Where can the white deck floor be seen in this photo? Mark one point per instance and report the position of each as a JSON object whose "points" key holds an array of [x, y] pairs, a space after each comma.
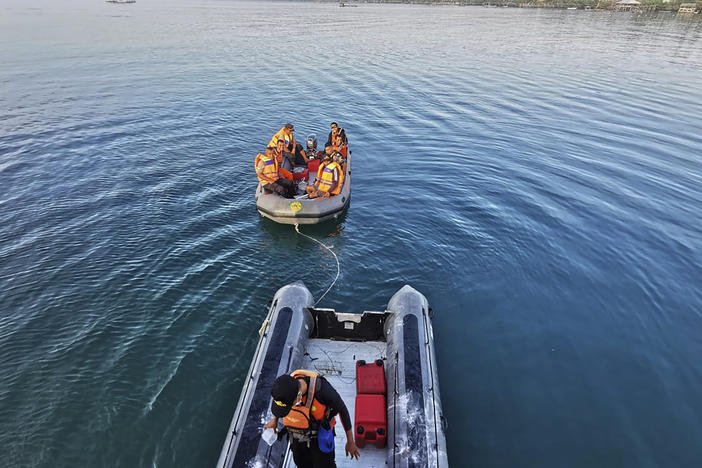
{"points": [[337, 361]]}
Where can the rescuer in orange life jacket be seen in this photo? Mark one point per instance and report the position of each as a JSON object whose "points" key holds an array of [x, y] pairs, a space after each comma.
{"points": [[286, 134], [330, 178], [340, 146], [308, 404], [269, 175]]}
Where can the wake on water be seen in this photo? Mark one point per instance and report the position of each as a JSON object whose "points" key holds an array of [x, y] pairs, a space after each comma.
{"points": [[338, 266]]}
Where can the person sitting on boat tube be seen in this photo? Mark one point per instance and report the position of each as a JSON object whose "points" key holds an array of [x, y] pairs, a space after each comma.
{"points": [[329, 180], [336, 130], [329, 153], [341, 161], [308, 404], [285, 133], [269, 176], [340, 146], [328, 150]]}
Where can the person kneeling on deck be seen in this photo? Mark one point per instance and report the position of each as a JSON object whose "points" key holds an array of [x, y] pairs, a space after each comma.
{"points": [[308, 404], [330, 179], [269, 176]]}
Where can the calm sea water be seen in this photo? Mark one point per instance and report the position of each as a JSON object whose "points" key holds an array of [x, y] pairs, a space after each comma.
{"points": [[536, 174]]}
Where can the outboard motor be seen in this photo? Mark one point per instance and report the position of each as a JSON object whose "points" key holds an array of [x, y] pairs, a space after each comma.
{"points": [[311, 149]]}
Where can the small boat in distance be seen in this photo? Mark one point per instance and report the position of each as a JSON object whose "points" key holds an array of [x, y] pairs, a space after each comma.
{"points": [[396, 344], [120, 1]]}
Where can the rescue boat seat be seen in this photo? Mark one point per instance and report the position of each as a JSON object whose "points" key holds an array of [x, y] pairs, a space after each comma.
{"points": [[333, 325]]}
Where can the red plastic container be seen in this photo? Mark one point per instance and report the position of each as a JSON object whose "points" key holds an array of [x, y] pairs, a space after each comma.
{"points": [[297, 176], [313, 166], [370, 377], [371, 421]]}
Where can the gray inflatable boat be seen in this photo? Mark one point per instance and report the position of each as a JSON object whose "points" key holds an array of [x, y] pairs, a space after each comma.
{"points": [[303, 210], [296, 335]]}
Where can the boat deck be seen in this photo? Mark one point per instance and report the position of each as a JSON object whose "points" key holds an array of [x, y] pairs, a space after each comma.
{"points": [[337, 361]]}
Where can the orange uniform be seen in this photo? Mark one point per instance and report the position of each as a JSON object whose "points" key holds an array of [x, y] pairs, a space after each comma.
{"points": [[302, 418], [330, 178], [284, 134], [267, 169]]}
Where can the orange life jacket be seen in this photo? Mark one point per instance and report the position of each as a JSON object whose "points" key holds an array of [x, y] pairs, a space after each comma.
{"points": [[270, 172], [326, 178], [341, 149], [304, 418], [288, 137], [320, 168], [284, 173]]}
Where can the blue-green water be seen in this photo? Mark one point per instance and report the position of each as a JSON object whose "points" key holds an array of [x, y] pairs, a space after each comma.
{"points": [[536, 174]]}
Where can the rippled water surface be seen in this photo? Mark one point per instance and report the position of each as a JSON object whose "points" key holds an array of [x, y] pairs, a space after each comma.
{"points": [[536, 174]]}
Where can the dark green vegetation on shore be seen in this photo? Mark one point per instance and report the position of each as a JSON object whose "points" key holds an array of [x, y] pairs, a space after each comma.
{"points": [[645, 5]]}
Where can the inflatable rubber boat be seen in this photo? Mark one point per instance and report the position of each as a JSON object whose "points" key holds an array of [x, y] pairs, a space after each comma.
{"points": [[301, 209], [400, 340]]}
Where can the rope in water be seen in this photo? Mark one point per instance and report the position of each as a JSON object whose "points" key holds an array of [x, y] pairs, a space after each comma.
{"points": [[338, 267]]}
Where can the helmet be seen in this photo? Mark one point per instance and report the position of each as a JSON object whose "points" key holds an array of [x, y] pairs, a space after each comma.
{"points": [[312, 142]]}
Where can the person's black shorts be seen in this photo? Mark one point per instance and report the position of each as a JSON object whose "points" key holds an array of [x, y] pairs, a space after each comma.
{"points": [[299, 160], [282, 186], [310, 456]]}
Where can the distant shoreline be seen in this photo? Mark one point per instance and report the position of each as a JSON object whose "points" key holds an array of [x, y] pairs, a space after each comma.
{"points": [[611, 5]]}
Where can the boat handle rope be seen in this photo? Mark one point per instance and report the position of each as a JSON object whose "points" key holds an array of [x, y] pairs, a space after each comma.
{"points": [[263, 327], [338, 267]]}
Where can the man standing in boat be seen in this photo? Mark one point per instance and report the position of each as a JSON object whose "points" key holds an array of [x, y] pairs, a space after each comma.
{"points": [[308, 403]]}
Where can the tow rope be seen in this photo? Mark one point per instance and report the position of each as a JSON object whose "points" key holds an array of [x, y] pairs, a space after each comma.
{"points": [[338, 267]]}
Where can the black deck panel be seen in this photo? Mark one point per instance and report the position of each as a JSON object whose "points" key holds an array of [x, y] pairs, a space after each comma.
{"points": [[416, 431], [250, 438]]}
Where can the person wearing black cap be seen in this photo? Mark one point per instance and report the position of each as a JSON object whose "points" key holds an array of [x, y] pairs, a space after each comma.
{"points": [[336, 130], [285, 133], [308, 404]]}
